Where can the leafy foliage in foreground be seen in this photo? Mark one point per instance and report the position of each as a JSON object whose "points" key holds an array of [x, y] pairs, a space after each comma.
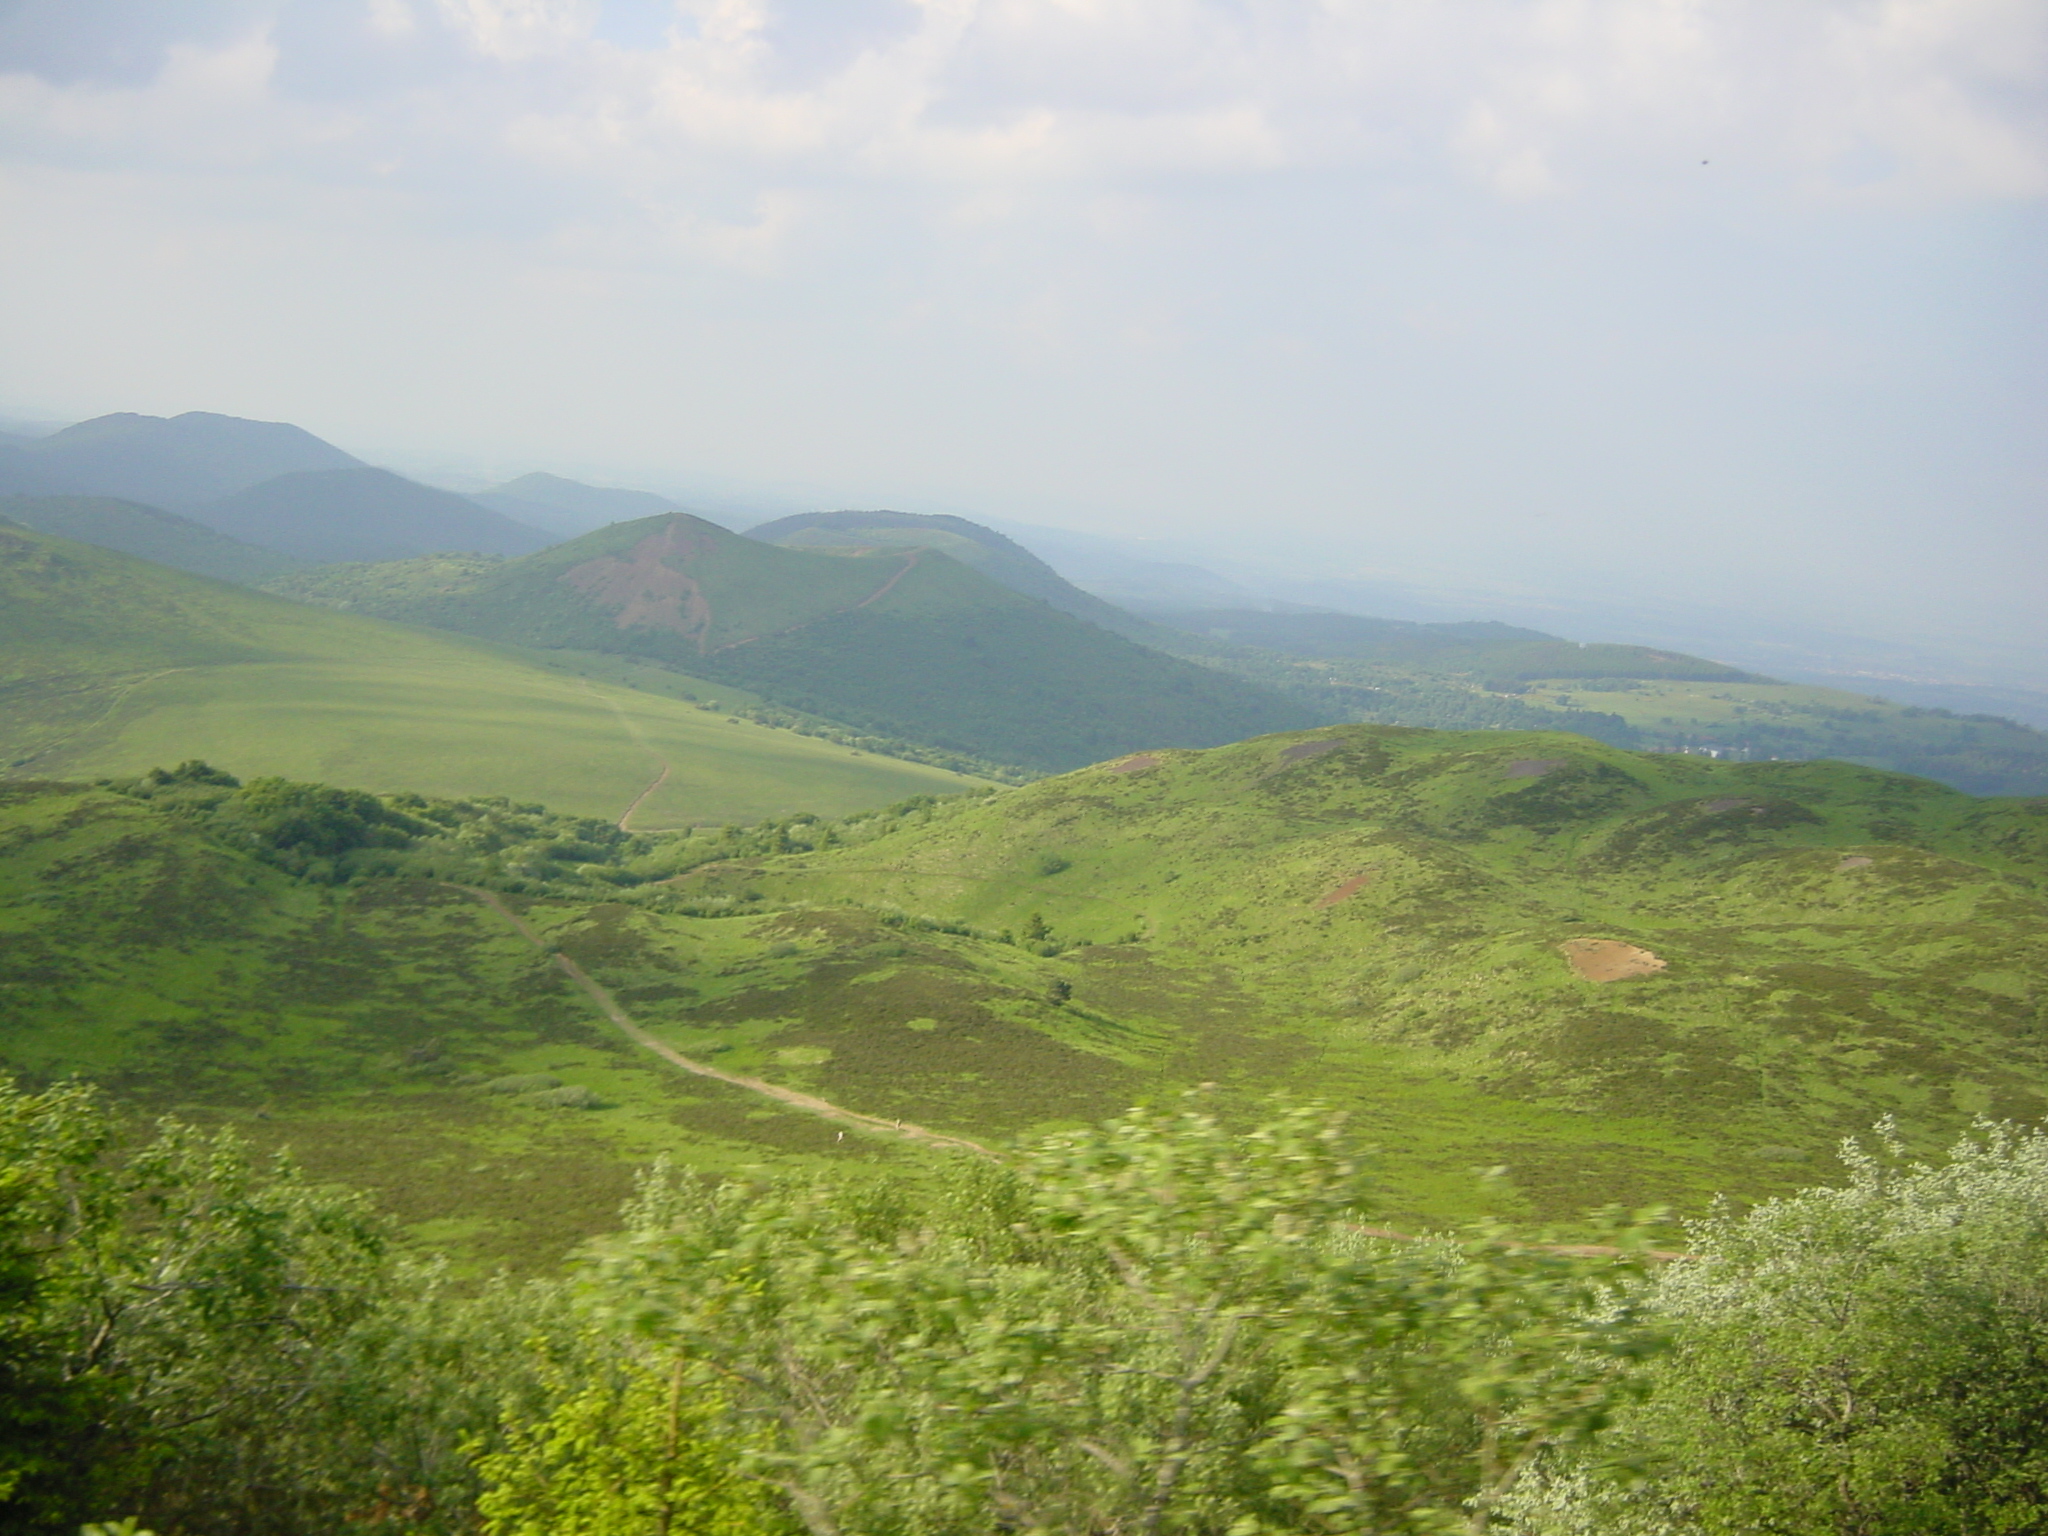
{"points": [[1160, 1325], [1157, 1325]]}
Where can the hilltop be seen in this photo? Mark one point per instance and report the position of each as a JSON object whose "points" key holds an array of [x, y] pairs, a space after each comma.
{"points": [[109, 664], [905, 642], [567, 508], [975, 546], [178, 462], [336, 515], [149, 533], [1485, 675]]}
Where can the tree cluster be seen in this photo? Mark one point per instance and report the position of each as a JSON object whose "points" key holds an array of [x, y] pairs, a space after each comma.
{"points": [[1160, 1325]]}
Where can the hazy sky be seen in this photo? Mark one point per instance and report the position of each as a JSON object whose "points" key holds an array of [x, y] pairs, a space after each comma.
{"points": [[1740, 301]]}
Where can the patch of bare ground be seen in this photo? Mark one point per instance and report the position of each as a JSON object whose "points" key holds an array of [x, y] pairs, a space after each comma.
{"points": [[1609, 959]]}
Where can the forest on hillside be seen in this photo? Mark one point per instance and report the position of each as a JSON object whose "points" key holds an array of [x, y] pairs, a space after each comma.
{"points": [[1164, 1323]]}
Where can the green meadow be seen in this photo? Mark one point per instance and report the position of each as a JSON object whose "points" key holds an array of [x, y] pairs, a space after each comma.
{"points": [[1610, 976], [113, 665]]}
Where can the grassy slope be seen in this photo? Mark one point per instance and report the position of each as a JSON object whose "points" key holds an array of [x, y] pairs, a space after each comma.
{"points": [[1804, 994], [1218, 928], [903, 643], [112, 665], [164, 537], [353, 1025]]}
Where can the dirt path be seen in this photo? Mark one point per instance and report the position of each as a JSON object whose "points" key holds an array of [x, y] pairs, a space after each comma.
{"points": [[626, 820], [883, 591], [790, 1096], [639, 740]]}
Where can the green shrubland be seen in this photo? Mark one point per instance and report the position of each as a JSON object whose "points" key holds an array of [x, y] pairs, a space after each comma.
{"points": [[1162, 1323]]}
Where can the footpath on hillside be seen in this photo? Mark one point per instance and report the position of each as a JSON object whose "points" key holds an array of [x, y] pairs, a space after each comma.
{"points": [[810, 1103]]}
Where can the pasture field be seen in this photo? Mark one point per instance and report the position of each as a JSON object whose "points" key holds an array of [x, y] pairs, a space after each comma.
{"points": [[109, 665]]}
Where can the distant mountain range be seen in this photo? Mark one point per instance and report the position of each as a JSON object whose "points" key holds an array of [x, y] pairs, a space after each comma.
{"points": [[331, 515], [177, 462], [148, 532], [903, 641], [265, 483], [567, 508], [980, 548], [979, 672]]}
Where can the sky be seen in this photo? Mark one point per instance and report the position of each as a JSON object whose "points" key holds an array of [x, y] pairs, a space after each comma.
{"points": [[1735, 306]]}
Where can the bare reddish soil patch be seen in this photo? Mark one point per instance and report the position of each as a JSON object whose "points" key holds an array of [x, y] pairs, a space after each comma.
{"points": [[1609, 959], [1136, 764], [1533, 767], [1350, 887], [646, 592]]}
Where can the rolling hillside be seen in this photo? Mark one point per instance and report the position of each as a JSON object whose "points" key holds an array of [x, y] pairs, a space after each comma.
{"points": [[110, 664], [905, 643], [1482, 675], [148, 533], [364, 514], [1621, 977], [1624, 975], [982, 549], [178, 462]]}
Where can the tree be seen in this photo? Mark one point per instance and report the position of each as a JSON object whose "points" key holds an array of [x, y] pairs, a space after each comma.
{"points": [[1855, 1361], [644, 1450], [1159, 1325]]}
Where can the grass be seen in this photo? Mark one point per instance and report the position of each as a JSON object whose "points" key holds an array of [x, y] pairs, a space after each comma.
{"points": [[112, 665], [1372, 916], [899, 643]]}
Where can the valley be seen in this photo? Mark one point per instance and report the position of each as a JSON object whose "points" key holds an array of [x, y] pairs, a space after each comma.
{"points": [[1615, 976]]}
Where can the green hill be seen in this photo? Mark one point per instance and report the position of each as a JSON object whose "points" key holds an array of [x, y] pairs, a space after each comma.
{"points": [[1619, 976], [364, 514], [982, 549], [1494, 653], [134, 529], [177, 461], [1401, 918], [906, 643], [110, 664], [1493, 676]]}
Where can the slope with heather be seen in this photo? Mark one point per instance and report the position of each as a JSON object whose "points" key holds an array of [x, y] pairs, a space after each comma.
{"points": [[110, 664], [1647, 970], [1617, 976]]}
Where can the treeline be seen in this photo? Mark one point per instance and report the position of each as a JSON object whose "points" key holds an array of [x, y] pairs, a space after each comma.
{"points": [[329, 835], [1160, 1325]]}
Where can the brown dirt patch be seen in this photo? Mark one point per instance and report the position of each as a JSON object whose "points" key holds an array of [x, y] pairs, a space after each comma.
{"points": [[645, 592], [1533, 767], [1136, 764], [1350, 887], [1856, 861], [1609, 959]]}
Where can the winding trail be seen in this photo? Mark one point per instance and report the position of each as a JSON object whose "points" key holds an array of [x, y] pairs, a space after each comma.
{"points": [[809, 1103], [826, 1109], [659, 778]]}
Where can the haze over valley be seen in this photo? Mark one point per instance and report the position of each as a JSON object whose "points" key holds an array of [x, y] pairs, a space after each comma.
{"points": [[1015, 768]]}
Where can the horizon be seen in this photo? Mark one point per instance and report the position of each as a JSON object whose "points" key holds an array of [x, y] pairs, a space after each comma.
{"points": [[1726, 324]]}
